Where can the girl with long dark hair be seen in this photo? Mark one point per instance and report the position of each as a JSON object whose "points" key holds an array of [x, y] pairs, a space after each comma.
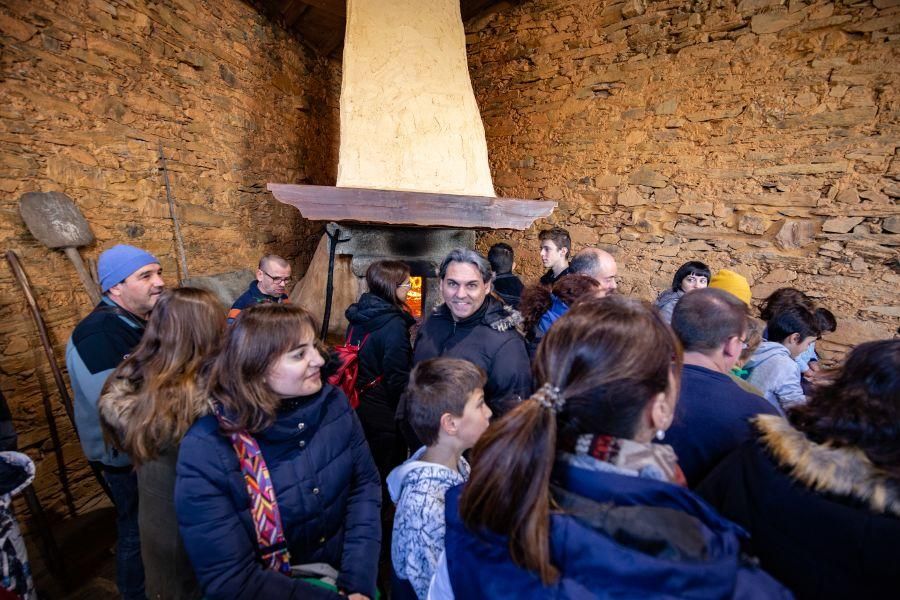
{"points": [[279, 479], [568, 497], [147, 406]]}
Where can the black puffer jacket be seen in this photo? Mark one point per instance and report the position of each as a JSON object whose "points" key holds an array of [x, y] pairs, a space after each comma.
{"points": [[387, 353], [488, 339]]}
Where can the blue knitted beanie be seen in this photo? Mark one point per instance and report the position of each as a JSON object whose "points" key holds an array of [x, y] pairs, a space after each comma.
{"points": [[119, 262]]}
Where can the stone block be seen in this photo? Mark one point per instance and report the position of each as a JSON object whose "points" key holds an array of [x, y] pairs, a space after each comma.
{"points": [[696, 209], [841, 224], [848, 195], [666, 195], [751, 223], [648, 177], [779, 276], [582, 235], [774, 21], [891, 224], [795, 234], [630, 197]]}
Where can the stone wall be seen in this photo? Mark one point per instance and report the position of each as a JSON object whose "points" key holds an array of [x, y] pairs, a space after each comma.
{"points": [[759, 135], [89, 88]]}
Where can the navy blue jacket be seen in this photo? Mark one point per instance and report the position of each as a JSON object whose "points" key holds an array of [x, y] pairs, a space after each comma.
{"points": [[712, 418], [632, 538], [252, 297], [328, 493]]}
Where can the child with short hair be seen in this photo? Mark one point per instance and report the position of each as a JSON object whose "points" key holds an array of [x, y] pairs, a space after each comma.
{"points": [[446, 408], [808, 361], [752, 340], [772, 367]]}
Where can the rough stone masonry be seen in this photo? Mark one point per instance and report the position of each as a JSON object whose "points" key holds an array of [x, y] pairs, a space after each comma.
{"points": [[88, 88], [758, 135]]}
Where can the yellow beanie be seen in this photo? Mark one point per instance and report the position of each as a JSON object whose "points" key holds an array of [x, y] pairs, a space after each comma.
{"points": [[732, 283]]}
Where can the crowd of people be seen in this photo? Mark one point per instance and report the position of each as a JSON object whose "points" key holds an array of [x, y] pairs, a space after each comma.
{"points": [[558, 439]]}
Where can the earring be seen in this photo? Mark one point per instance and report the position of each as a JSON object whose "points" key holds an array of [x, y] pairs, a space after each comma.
{"points": [[660, 434]]}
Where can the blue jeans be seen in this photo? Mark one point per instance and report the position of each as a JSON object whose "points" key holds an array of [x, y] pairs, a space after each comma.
{"points": [[129, 567]]}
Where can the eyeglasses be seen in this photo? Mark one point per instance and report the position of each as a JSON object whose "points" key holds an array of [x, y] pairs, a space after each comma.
{"points": [[284, 280], [406, 285]]}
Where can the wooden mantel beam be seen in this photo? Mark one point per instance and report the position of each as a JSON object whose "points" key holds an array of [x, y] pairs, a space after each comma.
{"points": [[325, 203]]}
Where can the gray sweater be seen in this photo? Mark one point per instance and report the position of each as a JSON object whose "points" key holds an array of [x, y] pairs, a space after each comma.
{"points": [[777, 375]]}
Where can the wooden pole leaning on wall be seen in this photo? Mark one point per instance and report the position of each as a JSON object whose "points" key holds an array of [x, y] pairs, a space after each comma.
{"points": [[19, 273]]}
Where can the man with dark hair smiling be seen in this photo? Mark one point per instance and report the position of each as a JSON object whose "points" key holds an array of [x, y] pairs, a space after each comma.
{"points": [[474, 326], [131, 282], [711, 416], [273, 275]]}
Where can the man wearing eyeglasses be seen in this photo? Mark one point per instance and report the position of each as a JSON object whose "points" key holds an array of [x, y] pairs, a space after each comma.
{"points": [[272, 280]]}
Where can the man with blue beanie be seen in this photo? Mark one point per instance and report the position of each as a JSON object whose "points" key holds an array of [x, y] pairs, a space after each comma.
{"points": [[131, 282]]}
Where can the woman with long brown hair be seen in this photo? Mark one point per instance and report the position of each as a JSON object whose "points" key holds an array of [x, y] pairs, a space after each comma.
{"points": [[380, 321], [569, 498], [147, 406], [280, 475]]}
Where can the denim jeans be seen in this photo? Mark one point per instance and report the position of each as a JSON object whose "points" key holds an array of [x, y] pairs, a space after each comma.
{"points": [[129, 566]]}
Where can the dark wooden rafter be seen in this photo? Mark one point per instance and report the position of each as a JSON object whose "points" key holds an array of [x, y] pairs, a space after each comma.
{"points": [[321, 23]]}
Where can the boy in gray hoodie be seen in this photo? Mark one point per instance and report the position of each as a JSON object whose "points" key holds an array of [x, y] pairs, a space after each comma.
{"points": [[446, 408], [772, 367]]}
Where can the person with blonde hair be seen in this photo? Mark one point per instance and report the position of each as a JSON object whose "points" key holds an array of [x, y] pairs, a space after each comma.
{"points": [[277, 487]]}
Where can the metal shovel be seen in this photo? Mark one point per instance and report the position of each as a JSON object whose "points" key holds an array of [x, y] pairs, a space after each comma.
{"points": [[56, 222]]}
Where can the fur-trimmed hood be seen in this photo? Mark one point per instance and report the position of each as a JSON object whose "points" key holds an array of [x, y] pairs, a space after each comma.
{"points": [[116, 407], [494, 313], [824, 468]]}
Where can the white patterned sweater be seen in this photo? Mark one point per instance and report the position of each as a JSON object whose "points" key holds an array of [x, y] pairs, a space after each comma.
{"points": [[418, 488]]}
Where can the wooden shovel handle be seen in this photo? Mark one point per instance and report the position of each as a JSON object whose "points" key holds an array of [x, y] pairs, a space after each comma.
{"points": [[89, 284]]}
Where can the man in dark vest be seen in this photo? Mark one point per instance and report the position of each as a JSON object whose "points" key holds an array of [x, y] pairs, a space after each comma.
{"points": [[131, 282]]}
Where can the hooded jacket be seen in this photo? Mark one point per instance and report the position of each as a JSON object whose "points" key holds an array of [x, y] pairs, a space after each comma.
{"points": [[488, 339], [328, 494], [618, 537], [777, 375], [387, 351], [823, 519], [666, 302], [418, 489], [167, 568]]}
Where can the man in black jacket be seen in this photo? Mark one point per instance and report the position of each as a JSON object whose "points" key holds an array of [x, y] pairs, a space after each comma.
{"points": [[506, 285], [474, 326]]}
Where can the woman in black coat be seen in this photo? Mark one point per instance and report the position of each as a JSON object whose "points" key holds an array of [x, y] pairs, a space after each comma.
{"points": [[820, 493], [380, 321]]}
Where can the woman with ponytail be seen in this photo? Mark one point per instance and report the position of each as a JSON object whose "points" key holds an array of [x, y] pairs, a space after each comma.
{"points": [[568, 495]]}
